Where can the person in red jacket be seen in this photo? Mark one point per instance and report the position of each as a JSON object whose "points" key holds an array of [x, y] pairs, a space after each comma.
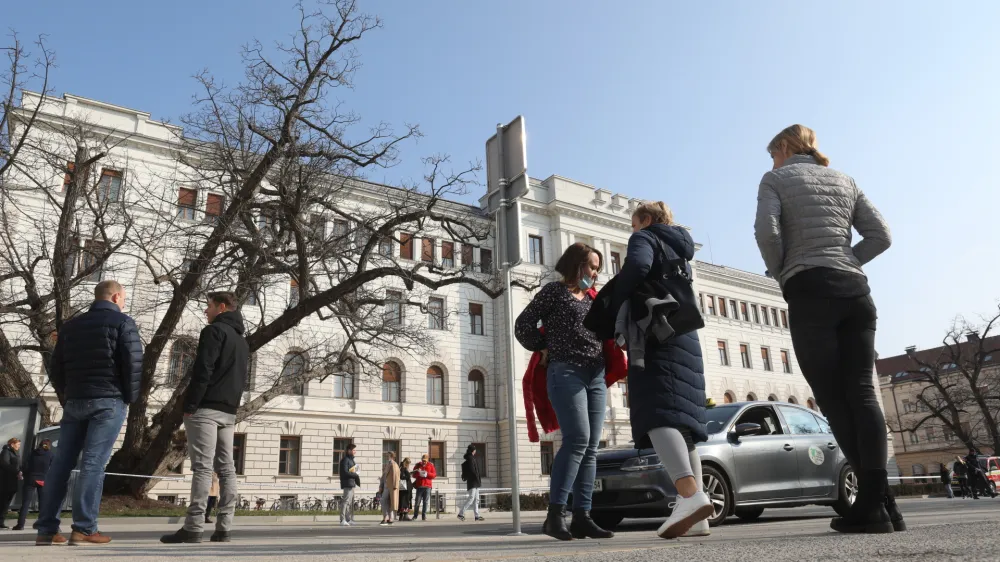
{"points": [[423, 477]]}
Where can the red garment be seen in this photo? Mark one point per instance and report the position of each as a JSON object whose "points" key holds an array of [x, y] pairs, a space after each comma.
{"points": [[536, 394], [420, 481]]}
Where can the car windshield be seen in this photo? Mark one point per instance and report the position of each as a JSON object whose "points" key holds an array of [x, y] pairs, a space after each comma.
{"points": [[719, 417]]}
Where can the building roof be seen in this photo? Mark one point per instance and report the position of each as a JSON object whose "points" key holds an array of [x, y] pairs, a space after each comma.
{"points": [[898, 366]]}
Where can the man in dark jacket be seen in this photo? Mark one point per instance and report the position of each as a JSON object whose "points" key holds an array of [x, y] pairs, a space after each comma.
{"points": [[96, 370], [218, 378], [35, 466], [470, 473], [349, 479]]}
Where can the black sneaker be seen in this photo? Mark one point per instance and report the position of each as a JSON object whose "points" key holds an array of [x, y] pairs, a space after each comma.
{"points": [[220, 536], [181, 536], [461, 517]]}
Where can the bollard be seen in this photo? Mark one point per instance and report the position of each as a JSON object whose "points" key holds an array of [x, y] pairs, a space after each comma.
{"points": [[437, 504]]}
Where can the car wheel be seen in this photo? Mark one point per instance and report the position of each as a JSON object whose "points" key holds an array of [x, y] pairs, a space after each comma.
{"points": [[717, 489], [993, 488], [749, 513], [848, 491], [607, 521]]}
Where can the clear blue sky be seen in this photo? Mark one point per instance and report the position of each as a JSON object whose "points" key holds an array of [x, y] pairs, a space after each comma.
{"points": [[657, 99]]}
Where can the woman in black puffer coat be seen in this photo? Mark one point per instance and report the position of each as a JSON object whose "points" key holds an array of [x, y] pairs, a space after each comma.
{"points": [[667, 394]]}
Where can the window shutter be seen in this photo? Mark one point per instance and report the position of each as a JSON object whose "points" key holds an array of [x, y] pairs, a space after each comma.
{"points": [[214, 205], [187, 197]]}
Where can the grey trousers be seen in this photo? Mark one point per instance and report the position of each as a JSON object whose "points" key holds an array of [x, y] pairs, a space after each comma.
{"points": [[347, 508], [210, 446]]}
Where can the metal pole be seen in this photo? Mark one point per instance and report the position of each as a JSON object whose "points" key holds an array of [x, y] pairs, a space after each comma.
{"points": [[515, 494]]}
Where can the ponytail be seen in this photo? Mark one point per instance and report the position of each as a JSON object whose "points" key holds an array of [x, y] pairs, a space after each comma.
{"points": [[798, 139]]}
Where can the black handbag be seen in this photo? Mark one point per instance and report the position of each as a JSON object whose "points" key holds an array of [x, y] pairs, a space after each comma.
{"points": [[674, 277]]}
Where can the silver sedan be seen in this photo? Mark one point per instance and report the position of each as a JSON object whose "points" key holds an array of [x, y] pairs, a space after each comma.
{"points": [[759, 455]]}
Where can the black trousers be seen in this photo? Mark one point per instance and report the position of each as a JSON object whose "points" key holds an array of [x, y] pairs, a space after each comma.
{"points": [[7, 492], [834, 341], [27, 493]]}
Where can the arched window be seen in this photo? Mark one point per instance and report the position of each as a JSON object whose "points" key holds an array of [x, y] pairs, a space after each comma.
{"points": [[392, 375], [294, 367], [811, 404], [729, 397], [344, 380], [477, 389], [792, 400], [751, 397], [772, 398], [435, 386], [181, 359]]}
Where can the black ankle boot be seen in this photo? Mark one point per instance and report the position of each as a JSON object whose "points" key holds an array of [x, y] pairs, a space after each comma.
{"points": [[555, 523], [898, 525], [583, 527], [868, 514]]}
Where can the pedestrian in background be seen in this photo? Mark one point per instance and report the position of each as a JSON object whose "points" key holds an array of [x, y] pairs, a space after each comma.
{"points": [[213, 497], [96, 370], [946, 480], [218, 378], [575, 384], [389, 490], [805, 215], [349, 479], [10, 476], [405, 490], [962, 474], [424, 474], [34, 468], [473, 481], [667, 390]]}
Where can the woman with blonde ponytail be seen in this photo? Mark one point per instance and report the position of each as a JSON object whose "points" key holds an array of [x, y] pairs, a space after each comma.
{"points": [[805, 213]]}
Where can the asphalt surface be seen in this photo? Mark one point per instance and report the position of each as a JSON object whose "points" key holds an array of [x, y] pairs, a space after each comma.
{"points": [[779, 535]]}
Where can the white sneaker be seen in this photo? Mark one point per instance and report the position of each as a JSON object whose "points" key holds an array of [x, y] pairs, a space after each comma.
{"points": [[699, 529], [686, 512], [345, 524]]}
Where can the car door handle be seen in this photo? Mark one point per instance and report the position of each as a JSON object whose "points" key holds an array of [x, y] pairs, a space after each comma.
{"points": [[788, 447], [831, 446]]}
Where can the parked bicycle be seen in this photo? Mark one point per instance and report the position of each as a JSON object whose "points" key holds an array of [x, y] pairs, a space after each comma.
{"points": [[276, 506], [260, 504]]}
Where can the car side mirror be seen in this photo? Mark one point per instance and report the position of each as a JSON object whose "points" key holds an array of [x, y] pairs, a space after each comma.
{"points": [[745, 429]]}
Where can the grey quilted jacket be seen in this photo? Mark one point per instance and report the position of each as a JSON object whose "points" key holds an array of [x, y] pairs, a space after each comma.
{"points": [[804, 217]]}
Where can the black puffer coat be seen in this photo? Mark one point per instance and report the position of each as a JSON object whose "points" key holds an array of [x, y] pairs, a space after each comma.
{"points": [[670, 391], [10, 465], [98, 355]]}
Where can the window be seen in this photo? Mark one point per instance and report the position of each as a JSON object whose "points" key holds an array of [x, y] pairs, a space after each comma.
{"points": [[701, 302], [485, 260], [187, 201], [268, 220], [406, 246], [711, 305], [477, 389], [784, 319], [476, 318], [751, 397], [253, 292], [480, 458], [774, 317], [602, 444], [756, 314], [435, 386], [745, 356], [181, 359], [467, 253], [293, 293], [385, 247], [448, 254], [251, 374], [733, 310], [548, 455], [294, 367], [765, 355], [767, 319], [390, 446], [918, 470], [825, 427], [288, 456], [931, 434], [744, 312], [623, 386], [436, 452], [535, 250], [811, 404], [391, 376], [616, 267], [793, 400], [723, 311], [729, 398], [317, 224], [427, 250], [772, 398], [913, 438], [93, 253], [765, 417], [110, 186], [723, 354], [239, 451], [213, 207], [800, 422], [435, 313], [393, 308], [786, 363], [344, 379], [341, 230], [340, 446]]}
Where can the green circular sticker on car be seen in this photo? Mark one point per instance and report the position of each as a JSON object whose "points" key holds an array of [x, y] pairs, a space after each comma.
{"points": [[816, 455]]}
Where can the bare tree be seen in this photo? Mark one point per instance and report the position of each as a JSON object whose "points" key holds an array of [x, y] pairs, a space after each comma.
{"points": [[960, 384]]}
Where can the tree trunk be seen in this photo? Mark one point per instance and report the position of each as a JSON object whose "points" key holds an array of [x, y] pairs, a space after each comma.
{"points": [[17, 380]]}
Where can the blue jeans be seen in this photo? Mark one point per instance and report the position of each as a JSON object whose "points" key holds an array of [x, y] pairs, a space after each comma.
{"points": [[424, 497], [88, 431], [579, 396]]}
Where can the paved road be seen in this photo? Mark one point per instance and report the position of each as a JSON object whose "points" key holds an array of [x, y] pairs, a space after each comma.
{"points": [[780, 535]]}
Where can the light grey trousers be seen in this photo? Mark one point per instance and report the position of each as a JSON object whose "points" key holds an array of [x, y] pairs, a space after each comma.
{"points": [[675, 455], [471, 502], [347, 507], [210, 446]]}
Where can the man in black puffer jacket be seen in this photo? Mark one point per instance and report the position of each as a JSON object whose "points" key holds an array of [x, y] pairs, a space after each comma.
{"points": [[96, 371], [218, 379]]}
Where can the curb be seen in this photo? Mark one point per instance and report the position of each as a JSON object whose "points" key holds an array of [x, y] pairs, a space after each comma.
{"points": [[265, 520]]}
